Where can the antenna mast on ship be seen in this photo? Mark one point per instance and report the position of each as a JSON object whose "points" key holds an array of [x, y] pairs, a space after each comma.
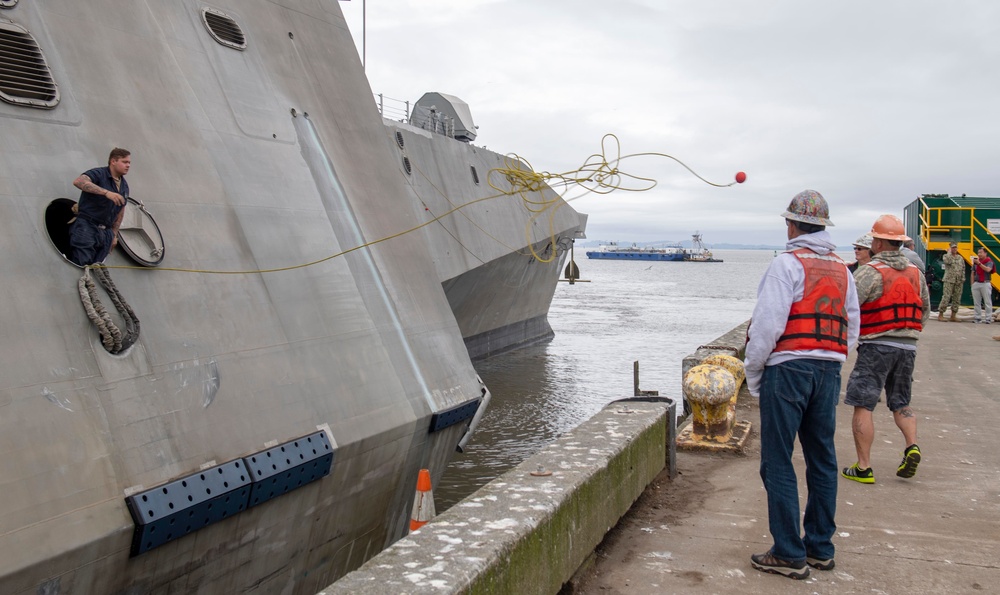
{"points": [[696, 243]]}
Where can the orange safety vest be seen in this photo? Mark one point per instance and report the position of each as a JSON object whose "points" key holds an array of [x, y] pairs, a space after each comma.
{"points": [[900, 306], [819, 319]]}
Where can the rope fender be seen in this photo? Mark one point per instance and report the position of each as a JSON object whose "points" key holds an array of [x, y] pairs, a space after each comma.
{"points": [[112, 337]]}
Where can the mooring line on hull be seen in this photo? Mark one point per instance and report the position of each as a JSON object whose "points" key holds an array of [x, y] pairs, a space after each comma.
{"points": [[294, 266], [603, 176]]}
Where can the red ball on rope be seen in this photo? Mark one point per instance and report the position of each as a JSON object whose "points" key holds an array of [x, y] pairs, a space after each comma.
{"points": [[741, 177]]}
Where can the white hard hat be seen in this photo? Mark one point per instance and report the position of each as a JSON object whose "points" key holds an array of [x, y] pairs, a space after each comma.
{"points": [[864, 241]]}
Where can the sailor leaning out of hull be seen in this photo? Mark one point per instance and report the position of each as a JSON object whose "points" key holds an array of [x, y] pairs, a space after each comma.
{"points": [[93, 234]]}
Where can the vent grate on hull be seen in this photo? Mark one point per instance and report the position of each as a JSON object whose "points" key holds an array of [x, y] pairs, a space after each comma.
{"points": [[25, 78], [224, 29]]}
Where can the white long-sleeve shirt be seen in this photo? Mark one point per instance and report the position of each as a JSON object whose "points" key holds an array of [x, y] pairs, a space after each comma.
{"points": [[782, 285]]}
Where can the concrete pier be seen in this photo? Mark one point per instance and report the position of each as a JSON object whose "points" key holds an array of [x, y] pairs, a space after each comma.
{"points": [[530, 530], [938, 532]]}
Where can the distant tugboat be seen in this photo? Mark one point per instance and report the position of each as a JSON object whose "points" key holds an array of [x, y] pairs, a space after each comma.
{"points": [[698, 252], [612, 251]]}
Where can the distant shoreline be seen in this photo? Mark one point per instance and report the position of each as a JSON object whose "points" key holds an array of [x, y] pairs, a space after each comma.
{"points": [[687, 244]]}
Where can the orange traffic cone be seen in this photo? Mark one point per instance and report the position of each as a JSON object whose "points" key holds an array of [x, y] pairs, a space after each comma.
{"points": [[423, 502]]}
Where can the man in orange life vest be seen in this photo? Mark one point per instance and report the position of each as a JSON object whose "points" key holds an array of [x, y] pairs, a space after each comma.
{"points": [[805, 320], [895, 305]]}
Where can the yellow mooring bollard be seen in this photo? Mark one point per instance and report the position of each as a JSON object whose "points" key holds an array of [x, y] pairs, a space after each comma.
{"points": [[711, 389], [735, 367], [733, 364]]}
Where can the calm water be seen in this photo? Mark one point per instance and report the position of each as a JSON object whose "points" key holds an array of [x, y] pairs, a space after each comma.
{"points": [[653, 312]]}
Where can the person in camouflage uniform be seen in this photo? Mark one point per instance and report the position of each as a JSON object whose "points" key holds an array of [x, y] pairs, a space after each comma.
{"points": [[953, 282], [895, 304]]}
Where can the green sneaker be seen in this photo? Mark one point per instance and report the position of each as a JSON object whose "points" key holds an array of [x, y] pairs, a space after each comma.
{"points": [[911, 458], [860, 475]]}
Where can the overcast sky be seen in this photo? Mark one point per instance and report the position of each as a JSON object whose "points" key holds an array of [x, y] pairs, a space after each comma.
{"points": [[869, 103]]}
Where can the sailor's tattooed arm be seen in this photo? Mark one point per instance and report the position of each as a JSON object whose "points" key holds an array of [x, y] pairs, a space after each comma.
{"points": [[84, 184]]}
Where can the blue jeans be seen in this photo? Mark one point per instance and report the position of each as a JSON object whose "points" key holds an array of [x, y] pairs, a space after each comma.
{"points": [[88, 243], [800, 397]]}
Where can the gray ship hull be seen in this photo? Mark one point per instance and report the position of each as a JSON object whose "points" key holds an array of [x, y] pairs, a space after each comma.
{"points": [[499, 257], [267, 157]]}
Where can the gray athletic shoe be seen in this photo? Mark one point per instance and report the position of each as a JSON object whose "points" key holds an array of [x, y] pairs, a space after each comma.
{"points": [[819, 564], [766, 562]]}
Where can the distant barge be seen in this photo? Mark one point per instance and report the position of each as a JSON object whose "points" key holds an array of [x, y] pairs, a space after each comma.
{"points": [[696, 253], [613, 251]]}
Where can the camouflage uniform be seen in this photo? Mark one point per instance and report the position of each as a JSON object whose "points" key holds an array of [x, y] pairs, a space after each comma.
{"points": [[885, 358], [869, 284], [953, 282]]}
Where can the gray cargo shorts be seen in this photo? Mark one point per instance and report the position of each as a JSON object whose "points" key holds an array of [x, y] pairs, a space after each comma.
{"points": [[878, 367]]}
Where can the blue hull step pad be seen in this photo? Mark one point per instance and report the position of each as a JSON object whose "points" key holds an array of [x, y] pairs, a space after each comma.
{"points": [[172, 510], [283, 468], [458, 413]]}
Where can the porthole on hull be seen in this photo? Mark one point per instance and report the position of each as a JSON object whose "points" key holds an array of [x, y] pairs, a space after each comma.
{"points": [[407, 167], [399, 139], [224, 29], [475, 174], [58, 215], [25, 78], [7, 3]]}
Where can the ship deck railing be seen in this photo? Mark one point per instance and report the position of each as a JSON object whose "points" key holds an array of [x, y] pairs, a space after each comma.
{"points": [[399, 111]]}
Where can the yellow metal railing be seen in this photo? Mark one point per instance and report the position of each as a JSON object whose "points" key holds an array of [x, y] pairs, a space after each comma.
{"points": [[931, 225]]}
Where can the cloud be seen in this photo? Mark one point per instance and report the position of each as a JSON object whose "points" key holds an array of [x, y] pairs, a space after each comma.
{"points": [[872, 104]]}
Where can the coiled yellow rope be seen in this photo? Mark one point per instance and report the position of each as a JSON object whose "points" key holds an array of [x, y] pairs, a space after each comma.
{"points": [[599, 174]]}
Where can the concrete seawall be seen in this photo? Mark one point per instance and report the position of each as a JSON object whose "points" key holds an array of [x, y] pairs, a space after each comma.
{"points": [[529, 530]]}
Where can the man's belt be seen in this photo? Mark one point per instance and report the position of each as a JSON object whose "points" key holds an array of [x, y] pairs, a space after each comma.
{"points": [[92, 221]]}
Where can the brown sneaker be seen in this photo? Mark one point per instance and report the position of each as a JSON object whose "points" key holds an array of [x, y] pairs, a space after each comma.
{"points": [[941, 315]]}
